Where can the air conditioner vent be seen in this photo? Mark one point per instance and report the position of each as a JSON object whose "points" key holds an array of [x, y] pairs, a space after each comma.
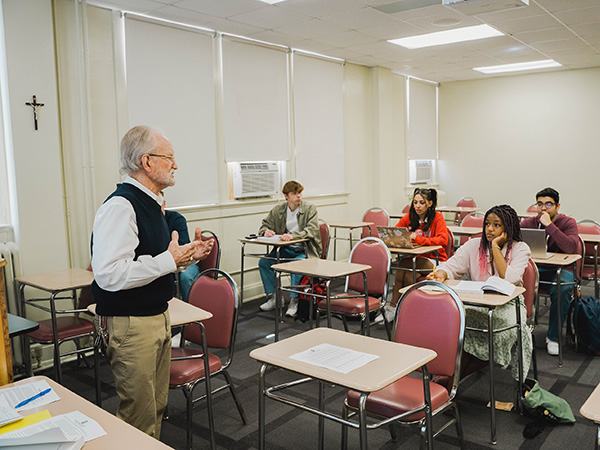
{"points": [[255, 179]]}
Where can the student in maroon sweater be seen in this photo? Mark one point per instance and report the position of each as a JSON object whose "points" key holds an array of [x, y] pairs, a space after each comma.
{"points": [[562, 238]]}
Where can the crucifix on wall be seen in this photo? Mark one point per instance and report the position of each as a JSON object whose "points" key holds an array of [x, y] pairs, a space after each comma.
{"points": [[36, 108]]}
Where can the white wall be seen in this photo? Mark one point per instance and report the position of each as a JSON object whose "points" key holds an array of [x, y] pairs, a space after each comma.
{"points": [[504, 139]]}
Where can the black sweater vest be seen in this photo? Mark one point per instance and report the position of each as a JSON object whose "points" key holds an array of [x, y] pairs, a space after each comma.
{"points": [[154, 238]]}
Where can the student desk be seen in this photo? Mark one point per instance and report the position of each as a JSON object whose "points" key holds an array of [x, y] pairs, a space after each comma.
{"points": [[264, 242], [591, 410], [593, 239], [558, 261], [55, 283], [348, 226], [414, 253], [19, 325], [395, 361], [457, 230], [118, 433], [317, 268], [458, 210], [491, 302]]}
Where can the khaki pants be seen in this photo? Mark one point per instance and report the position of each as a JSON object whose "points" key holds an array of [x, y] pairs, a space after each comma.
{"points": [[139, 352]]}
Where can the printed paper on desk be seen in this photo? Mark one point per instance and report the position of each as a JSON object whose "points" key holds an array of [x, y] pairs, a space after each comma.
{"points": [[274, 239], [50, 439], [8, 414], [339, 359], [17, 394]]}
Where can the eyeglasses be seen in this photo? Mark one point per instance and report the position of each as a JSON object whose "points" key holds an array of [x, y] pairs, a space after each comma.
{"points": [[169, 158], [548, 205]]}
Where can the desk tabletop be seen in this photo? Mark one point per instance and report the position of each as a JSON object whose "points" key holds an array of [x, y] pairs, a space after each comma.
{"points": [[19, 325], [266, 241], [60, 280], [465, 231], [350, 225], [180, 312], [415, 251], [119, 434], [458, 209], [488, 300], [591, 238], [395, 360], [557, 259], [591, 408], [323, 268]]}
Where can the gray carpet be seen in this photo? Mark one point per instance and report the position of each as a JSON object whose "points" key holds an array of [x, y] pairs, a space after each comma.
{"points": [[289, 428]]}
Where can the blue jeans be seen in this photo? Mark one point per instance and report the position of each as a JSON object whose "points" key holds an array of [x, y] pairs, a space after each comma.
{"points": [[186, 279], [565, 299], [267, 274]]}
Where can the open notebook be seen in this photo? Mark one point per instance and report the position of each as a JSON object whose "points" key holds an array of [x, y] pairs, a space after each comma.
{"points": [[493, 285]]}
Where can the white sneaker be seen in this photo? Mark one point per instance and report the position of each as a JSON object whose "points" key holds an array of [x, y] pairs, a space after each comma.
{"points": [[269, 305], [552, 347], [292, 308]]}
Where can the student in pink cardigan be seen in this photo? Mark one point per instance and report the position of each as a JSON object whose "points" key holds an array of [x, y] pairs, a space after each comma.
{"points": [[501, 252]]}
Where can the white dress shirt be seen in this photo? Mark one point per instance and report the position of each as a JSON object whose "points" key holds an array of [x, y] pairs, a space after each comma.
{"points": [[116, 232]]}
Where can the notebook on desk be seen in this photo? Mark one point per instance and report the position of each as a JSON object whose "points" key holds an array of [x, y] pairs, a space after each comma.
{"points": [[396, 237], [536, 239]]}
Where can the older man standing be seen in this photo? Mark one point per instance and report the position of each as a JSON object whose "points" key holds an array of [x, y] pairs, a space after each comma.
{"points": [[133, 257]]}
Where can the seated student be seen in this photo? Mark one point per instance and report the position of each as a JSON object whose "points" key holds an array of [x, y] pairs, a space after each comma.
{"points": [[295, 219], [176, 222], [427, 227], [501, 252], [563, 237]]}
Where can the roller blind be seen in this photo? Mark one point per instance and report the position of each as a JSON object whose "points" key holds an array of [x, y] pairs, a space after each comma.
{"points": [[170, 85], [319, 124], [422, 120], [255, 98]]}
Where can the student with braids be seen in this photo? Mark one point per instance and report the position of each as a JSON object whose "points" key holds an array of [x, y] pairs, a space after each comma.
{"points": [[500, 252], [427, 227]]}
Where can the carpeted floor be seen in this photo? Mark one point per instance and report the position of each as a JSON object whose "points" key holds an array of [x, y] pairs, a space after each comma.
{"points": [[290, 428]]}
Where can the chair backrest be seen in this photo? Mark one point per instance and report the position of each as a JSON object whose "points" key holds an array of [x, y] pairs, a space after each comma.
{"points": [[85, 296], [579, 264], [379, 217], [213, 260], [588, 226], [434, 320], [450, 244], [531, 281], [474, 219], [374, 252], [325, 237], [406, 209], [465, 201], [532, 208], [215, 291]]}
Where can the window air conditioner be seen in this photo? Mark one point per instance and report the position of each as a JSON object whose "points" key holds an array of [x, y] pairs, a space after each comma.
{"points": [[421, 171], [255, 179]]}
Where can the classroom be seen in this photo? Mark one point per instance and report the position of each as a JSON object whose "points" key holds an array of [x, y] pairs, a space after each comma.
{"points": [[313, 86]]}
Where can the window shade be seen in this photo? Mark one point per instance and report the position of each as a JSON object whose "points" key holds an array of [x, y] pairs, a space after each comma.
{"points": [[422, 120]]}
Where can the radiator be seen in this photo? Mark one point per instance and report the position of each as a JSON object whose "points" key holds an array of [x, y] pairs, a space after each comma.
{"points": [[10, 252]]}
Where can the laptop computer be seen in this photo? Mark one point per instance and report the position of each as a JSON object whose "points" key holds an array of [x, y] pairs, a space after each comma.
{"points": [[536, 239], [396, 237]]}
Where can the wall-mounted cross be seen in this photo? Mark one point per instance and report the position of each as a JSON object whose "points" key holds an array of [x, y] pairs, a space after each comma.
{"points": [[36, 107]]}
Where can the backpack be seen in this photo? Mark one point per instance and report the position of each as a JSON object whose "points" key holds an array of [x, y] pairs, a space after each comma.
{"points": [[319, 287], [583, 324]]}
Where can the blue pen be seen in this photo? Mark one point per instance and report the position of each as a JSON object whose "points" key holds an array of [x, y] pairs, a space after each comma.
{"points": [[36, 396]]}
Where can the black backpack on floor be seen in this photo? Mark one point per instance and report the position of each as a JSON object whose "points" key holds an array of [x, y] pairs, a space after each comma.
{"points": [[583, 325]]}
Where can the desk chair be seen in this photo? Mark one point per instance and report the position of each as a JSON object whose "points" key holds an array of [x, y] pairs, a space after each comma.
{"points": [[531, 281], [532, 208], [465, 201], [591, 259], [379, 217], [325, 238], [450, 244], [362, 297], [406, 209], [431, 320], [216, 292], [474, 219]]}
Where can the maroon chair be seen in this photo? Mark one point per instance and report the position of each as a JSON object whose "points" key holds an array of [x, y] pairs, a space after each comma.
{"points": [[216, 292], [532, 208], [213, 260], [363, 295], [531, 281], [590, 269], [431, 320], [465, 201], [325, 238], [406, 209], [379, 217], [474, 219]]}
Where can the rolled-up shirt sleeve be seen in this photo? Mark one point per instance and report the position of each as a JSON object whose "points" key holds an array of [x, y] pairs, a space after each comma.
{"points": [[114, 240]]}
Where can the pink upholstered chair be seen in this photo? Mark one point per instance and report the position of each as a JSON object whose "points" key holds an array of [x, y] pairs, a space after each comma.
{"points": [[474, 219], [216, 292], [531, 280], [352, 303], [325, 234], [532, 208], [465, 201], [591, 258], [379, 217], [434, 320], [213, 260], [406, 209], [450, 244]]}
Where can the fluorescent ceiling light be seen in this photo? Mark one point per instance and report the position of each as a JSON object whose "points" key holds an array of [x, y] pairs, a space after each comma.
{"points": [[518, 66], [447, 37], [271, 2]]}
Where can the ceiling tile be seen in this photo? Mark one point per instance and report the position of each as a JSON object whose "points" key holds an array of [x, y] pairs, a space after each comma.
{"points": [[541, 22], [345, 39], [581, 16], [512, 13], [563, 44], [360, 18], [320, 8], [221, 8], [392, 31], [565, 5], [551, 34], [271, 17], [311, 28]]}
